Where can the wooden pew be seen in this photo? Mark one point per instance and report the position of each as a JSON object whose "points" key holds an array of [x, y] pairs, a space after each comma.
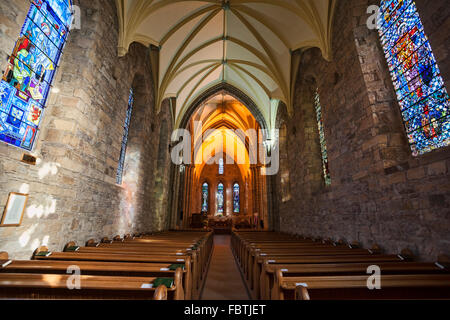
{"points": [[411, 286], [262, 256], [102, 269], [53, 286], [42, 253], [200, 256], [142, 248], [306, 250], [334, 254], [198, 245], [275, 273]]}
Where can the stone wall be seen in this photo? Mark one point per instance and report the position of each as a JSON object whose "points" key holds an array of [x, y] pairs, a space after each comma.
{"points": [[72, 190], [380, 193]]}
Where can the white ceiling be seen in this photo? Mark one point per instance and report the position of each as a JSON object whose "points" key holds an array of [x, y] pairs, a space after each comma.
{"points": [[246, 43]]}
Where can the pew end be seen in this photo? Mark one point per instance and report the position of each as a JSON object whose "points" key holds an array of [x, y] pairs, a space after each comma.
{"points": [[301, 293], [376, 249], [91, 243], [407, 254], [105, 240], [178, 281], [118, 238], [4, 255], [39, 250], [277, 293], [355, 245], [160, 293], [70, 244], [444, 261]]}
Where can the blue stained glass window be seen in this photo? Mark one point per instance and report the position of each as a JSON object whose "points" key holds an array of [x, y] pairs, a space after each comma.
{"points": [[323, 142], [236, 198], [221, 166], [126, 129], [220, 199], [420, 89], [205, 197], [31, 67]]}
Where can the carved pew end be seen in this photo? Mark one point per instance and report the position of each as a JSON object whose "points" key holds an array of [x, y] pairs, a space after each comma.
{"points": [[39, 250], [376, 249], [160, 293], [4, 255], [105, 240], [117, 239], [355, 245], [301, 293], [91, 243], [407, 254], [70, 244], [444, 261]]}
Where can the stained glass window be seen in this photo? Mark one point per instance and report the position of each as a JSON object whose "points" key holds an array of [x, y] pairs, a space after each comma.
{"points": [[421, 93], [221, 166], [31, 67], [126, 128], [323, 142], [205, 197], [220, 199], [236, 198]]}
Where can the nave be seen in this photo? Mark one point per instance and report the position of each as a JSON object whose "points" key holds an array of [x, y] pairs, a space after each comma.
{"points": [[224, 149]]}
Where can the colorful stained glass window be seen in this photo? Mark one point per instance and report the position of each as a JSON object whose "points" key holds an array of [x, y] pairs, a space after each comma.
{"points": [[126, 129], [323, 142], [221, 166], [31, 67], [220, 199], [205, 197], [421, 92], [236, 198]]}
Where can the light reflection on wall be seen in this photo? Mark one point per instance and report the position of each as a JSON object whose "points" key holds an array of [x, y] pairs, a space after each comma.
{"points": [[49, 168], [43, 210]]}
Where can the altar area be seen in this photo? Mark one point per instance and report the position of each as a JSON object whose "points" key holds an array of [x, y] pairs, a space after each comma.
{"points": [[223, 224]]}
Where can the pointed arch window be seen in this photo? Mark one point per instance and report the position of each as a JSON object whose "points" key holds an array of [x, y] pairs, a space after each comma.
{"points": [[31, 67], [205, 197], [236, 198], [126, 128], [221, 166], [220, 199], [323, 142], [421, 93]]}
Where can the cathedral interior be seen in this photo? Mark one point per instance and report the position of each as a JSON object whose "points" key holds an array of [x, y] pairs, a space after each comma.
{"points": [[310, 132]]}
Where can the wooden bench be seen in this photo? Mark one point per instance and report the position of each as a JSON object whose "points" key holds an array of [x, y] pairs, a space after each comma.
{"points": [[410, 286], [103, 269], [262, 256], [199, 258], [259, 257], [54, 286], [271, 283]]}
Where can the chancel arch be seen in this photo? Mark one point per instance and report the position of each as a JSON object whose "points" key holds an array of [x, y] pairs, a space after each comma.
{"points": [[225, 140]]}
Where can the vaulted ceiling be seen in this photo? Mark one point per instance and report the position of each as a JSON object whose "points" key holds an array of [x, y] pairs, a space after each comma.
{"points": [[224, 122], [245, 43]]}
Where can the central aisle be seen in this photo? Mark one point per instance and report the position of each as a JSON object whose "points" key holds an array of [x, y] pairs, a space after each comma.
{"points": [[224, 280]]}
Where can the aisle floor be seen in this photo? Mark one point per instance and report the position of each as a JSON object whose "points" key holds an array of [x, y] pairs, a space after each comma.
{"points": [[224, 281]]}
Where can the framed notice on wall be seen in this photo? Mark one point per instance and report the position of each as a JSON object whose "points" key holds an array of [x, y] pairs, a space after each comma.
{"points": [[14, 210]]}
